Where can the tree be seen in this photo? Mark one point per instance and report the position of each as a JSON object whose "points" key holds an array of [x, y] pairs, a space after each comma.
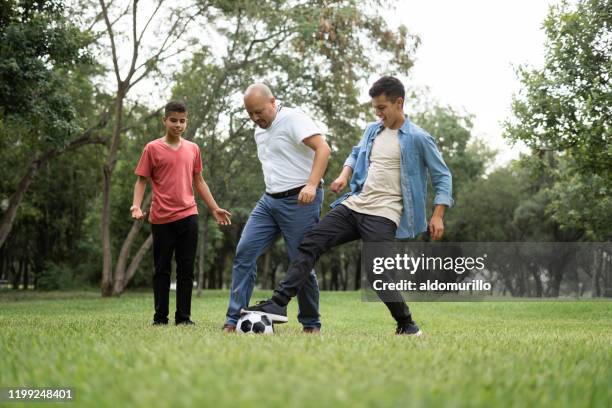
{"points": [[142, 62], [565, 107], [43, 58]]}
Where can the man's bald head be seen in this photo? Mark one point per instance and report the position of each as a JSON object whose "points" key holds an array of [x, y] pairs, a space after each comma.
{"points": [[258, 89], [260, 104]]}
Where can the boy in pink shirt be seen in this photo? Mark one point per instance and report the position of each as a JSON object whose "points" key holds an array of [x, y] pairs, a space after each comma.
{"points": [[173, 165]]}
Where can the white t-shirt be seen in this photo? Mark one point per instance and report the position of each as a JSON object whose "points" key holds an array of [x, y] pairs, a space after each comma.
{"points": [[285, 160]]}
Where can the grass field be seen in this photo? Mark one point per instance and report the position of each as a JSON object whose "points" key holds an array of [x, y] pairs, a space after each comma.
{"points": [[472, 354]]}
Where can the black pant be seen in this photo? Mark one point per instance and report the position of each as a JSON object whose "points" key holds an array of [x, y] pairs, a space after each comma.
{"points": [[181, 238], [340, 225]]}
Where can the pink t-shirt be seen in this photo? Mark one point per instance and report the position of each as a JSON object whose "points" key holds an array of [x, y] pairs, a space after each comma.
{"points": [[171, 173]]}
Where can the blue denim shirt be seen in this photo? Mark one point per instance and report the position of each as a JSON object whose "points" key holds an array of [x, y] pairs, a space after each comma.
{"points": [[419, 155]]}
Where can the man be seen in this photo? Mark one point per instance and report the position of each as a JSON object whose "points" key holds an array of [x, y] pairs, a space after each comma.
{"points": [[173, 165], [293, 157], [388, 194]]}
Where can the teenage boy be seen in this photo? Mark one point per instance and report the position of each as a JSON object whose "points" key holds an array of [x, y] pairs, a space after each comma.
{"points": [[389, 171], [173, 165]]}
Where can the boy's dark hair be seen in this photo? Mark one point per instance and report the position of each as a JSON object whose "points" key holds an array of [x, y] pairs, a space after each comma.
{"points": [[390, 86], [175, 106]]}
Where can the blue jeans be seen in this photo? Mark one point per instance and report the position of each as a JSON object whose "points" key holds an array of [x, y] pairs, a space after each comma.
{"points": [[270, 217]]}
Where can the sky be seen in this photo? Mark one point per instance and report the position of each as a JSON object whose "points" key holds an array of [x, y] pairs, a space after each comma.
{"points": [[468, 54]]}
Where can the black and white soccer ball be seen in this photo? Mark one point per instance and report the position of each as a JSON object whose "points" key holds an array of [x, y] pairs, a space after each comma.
{"points": [[254, 323]]}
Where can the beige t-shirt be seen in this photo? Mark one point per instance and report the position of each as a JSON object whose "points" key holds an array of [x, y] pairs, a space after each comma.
{"points": [[382, 192]]}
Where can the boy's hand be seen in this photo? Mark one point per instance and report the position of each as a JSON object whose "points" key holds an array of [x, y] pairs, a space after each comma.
{"points": [[338, 184], [137, 213], [222, 216], [436, 228]]}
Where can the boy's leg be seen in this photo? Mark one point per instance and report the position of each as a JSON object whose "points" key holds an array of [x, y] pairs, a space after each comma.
{"points": [[337, 227], [186, 245], [294, 221], [163, 247], [258, 233], [373, 228]]}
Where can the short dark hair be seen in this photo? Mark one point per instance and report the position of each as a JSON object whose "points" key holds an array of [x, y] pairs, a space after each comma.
{"points": [[175, 106], [390, 86]]}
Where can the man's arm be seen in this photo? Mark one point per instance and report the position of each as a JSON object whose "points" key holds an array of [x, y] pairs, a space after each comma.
{"points": [[442, 182], [139, 190], [222, 216], [322, 152]]}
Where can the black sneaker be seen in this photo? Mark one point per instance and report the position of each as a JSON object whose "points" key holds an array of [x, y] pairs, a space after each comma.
{"points": [[274, 311], [185, 323], [159, 323], [408, 329]]}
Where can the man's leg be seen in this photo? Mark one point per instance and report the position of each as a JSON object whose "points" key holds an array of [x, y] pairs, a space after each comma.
{"points": [[373, 228], [163, 247], [337, 227], [294, 221], [258, 233], [186, 244]]}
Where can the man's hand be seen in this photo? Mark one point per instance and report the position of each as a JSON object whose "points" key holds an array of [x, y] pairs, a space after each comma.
{"points": [[436, 228], [338, 184], [137, 213], [222, 216], [307, 194]]}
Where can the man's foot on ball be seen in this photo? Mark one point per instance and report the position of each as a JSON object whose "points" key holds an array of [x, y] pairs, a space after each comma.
{"points": [[408, 329], [274, 311]]}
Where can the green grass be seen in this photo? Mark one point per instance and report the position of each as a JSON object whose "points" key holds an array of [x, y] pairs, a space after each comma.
{"points": [[472, 354]]}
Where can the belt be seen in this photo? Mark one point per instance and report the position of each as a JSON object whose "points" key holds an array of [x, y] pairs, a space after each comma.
{"points": [[291, 192]]}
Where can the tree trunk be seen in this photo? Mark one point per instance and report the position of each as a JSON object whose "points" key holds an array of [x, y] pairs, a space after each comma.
{"points": [[220, 269], [358, 272], [35, 283], [344, 273], [120, 280], [15, 277], [335, 272], [555, 282], [108, 168], [606, 271], [273, 276], [538, 281], [26, 280], [15, 201], [2, 264], [144, 248], [265, 272], [133, 267], [201, 257]]}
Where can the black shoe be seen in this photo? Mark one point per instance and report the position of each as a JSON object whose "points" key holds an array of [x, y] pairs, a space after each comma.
{"points": [[408, 329], [159, 323], [185, 323], [274, 311]]}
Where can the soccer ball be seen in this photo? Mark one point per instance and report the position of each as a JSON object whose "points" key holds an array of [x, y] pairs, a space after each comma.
{"points": [[254, 323]]}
